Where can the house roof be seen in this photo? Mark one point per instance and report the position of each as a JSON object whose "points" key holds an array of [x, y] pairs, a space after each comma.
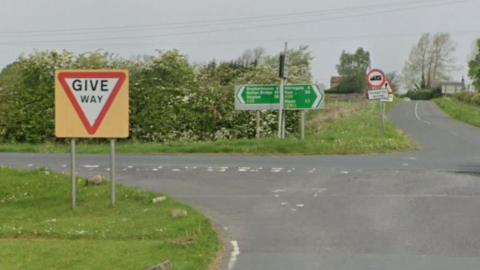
{"points": [[452, 83]]}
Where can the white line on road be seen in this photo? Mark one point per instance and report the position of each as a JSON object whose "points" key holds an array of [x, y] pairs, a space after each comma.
{"points": [[416, 112], [234, 255], [418, 117], [90, 166], [243, 169], [276, 170]]}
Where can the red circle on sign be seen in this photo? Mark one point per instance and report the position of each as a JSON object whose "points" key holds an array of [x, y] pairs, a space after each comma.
{"points": [[376, 78]]}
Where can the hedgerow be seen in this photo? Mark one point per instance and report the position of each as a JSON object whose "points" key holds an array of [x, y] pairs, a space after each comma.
{"points": [[171, 99]]}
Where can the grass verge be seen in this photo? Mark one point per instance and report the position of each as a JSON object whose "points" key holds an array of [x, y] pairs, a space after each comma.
{"points": [[456, 109], [341, 128], [38, 230]]}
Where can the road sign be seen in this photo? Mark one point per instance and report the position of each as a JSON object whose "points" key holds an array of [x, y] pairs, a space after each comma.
{"points": [[91, 104], [376, 79], [378, 94], [257, 97], [303, 97], [266, 97], [388, 85]]}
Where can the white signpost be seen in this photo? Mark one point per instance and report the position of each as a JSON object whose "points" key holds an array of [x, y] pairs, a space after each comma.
{"points": [[379, 94]]}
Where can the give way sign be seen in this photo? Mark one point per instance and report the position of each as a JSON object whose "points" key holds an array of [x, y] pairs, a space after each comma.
{"points": [[91, 104]]}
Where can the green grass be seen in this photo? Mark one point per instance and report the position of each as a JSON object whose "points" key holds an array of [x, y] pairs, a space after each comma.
{"points": [[359, 132], [456, 109], [38, 230]]}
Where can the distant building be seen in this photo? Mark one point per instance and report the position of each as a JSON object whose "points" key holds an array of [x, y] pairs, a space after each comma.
{"points": [[450, 87], [335, 81]]}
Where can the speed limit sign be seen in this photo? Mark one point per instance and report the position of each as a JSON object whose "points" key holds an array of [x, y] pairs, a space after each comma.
{"points": [[376, 79]]}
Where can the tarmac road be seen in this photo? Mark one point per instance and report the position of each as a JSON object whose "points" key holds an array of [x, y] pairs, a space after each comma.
{"points": [[401, 211]]}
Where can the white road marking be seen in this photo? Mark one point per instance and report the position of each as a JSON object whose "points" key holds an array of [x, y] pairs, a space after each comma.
{"points": [[243, 169], [418, 117], [90, 166], [276, 170], [411, 158], [300, 205], [30, 165], [312, 170], [175, 170], [234, 255], [279, 190], [283, 203], [129, 166], [222, 169], [64, 165], [344, 172], [293, 209], [416, 112], [277, 196], [155, 169], [256, 169]]}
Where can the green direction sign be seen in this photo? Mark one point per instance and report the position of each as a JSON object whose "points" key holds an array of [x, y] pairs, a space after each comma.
{"points": [[266, 97], [302, 97], [260, 94]]}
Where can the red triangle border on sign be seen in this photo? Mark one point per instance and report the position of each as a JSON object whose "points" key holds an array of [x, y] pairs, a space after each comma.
{"points": [[62, 76]]}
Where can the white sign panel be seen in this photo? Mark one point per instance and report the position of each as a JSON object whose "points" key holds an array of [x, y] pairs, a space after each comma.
{"points": [[378, 94]]}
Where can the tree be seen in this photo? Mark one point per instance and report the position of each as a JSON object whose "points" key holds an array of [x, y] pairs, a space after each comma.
{"points": [[251, 58], [353, 69], [430, 60], [392, 77], [474, 66]]}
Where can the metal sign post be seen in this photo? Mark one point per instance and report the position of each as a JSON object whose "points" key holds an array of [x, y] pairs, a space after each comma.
{"points": [[112, 169], [382, 110], [72, 172], [257, 129], [302, 125]]}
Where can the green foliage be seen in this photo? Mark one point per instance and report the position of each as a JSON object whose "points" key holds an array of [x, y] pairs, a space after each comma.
{"points": [[465, 111], [424, 94], [474, 67], [468, 97], [171, 99], [353, 69]]}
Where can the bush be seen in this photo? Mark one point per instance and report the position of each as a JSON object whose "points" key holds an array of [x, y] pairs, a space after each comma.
{"points": [[170, 98], [424, 94], [468, 97]]}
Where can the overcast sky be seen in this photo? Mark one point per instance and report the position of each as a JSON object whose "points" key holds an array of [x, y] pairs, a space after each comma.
{"points": [[223, 29]]}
